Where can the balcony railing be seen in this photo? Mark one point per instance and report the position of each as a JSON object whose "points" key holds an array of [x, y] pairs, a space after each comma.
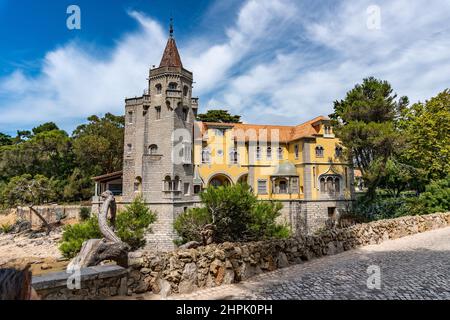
{"points": [[173, 93]]}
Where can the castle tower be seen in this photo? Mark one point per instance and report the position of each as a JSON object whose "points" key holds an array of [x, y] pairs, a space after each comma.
{"points": [[158, 145]]}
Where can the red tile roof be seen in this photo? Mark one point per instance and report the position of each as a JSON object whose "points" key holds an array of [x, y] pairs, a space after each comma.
{"points": [[285, 133]]}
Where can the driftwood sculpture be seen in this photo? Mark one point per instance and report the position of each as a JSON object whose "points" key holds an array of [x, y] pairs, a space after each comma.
{"points": [[94, 251]]}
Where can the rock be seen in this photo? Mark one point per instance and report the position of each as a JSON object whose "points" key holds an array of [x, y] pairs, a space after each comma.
{"points": [[282, 260], [190, 245], [141, 287], [188, 281], [166, 288], [45, 266], [146, 270]]}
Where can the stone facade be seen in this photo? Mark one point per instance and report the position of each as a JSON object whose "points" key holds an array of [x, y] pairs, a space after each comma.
{"points": [[186, 270]]}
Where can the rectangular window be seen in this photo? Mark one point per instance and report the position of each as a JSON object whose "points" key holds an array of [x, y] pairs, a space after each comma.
{"points": [[185, 114], [280, 153], [197, 189], [130, 117], [262, 186], [296, 151], [129, 148], [187, 153], [158, 113], [187, 188], [258, 153], [294, 185]]}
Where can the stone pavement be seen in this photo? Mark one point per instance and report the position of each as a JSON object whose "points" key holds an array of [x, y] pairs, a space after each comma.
{"points": [[413, 267]]}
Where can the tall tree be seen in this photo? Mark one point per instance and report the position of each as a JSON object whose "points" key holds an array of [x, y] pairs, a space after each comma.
{"points": [[219, 116], [365, 122], [426, 127], [98, 145], [5, 139]]}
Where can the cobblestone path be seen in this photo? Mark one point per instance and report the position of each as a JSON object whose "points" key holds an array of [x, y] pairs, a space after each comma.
{"points": [[413, 267]]}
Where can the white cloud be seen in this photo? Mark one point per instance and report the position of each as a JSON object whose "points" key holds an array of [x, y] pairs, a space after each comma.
{"points": [[411, 51]]}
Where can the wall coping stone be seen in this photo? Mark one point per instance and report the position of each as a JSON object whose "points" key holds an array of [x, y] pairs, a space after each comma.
{"points": [[59, 279]]}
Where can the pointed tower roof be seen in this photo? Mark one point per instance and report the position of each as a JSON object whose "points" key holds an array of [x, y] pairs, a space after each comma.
{"points": [[171, 57]]}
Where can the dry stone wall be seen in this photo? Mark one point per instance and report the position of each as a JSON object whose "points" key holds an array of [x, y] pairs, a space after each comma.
{"points": [[183, 271]]}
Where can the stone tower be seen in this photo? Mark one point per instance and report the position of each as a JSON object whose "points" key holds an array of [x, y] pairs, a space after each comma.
{"points": [[158, 145]]}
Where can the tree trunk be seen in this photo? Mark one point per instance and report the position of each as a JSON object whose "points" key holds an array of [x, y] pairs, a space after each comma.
{"points": [[47, 225], [94, 251]]}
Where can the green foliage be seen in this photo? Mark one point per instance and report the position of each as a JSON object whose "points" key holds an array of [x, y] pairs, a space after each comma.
{"points": [[130, 227], [28, 190], [74, 236], [98, 145], [5, 139], [48, 126], [6, 228], [69, 162], [365, 122], [236, 215], [219, 116], [190, 224], [436, 197], [426, 128], [85, 213], [133, 222], [78, 187]]}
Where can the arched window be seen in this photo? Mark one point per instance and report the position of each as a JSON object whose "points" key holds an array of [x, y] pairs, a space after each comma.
{"points": [[185, 114], [167, 184], [185, 91], [296, 151], [233, 156], [168, 105], [319, 151], [338, 151], [173, 86], [153, 149], [206, 155], [269, 153], [330, 184], [280, 153], [158, 88], [176, 184], [137, 184], [283, 187], [258, 153]]}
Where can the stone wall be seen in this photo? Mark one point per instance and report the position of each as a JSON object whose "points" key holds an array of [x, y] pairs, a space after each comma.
{"points": [[183, 271], [96, 283], [50, 213]]}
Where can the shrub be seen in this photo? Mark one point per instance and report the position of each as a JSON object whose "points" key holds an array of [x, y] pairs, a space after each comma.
{"points": [[74, 236], [133, 222], [189, 225], [436, 198], [235, 214], [131, 225], [6, 228], [85, 213]]}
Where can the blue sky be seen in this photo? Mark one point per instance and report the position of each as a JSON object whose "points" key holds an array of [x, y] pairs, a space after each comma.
{"points": [[272, 61]]}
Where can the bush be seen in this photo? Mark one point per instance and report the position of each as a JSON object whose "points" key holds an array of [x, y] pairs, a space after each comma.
{"points": [[131, 225], [6, 228], [85, 213], [436, 198], [74, 236], [235, 214], [133, 222], [189, 225]]}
